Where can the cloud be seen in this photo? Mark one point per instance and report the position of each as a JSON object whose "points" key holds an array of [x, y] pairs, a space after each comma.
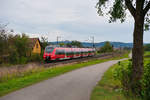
{"points": [[70, 19]]}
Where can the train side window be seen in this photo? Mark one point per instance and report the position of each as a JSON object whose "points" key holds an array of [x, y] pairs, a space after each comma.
{"points": [[60, 52], [72, 52], [77, 52], [63, 52], [57, 52], [49, 49], [67, 53]]}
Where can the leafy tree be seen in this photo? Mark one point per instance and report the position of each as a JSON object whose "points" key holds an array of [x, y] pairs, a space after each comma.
{"points": [[68, 45], [3, 43], [127, 48], [61, 44], [3, 40], [139, 9], [106, 48], [18, 46], [44, 42], [147, 47], [22, 44], [13, 55], [14, 49], [75, 44]]}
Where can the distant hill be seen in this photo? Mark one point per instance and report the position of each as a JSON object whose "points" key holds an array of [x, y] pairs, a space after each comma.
{"points": [[100, 44], [115, 44]]}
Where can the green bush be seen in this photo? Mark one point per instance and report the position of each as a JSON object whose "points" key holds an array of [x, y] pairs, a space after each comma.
{"points": [[123, 74], [147, 47], [14, 58], [106, 48], [146, 83], [35, 57], [23, 60]]}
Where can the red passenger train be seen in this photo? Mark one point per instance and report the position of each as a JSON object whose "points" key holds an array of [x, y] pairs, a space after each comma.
{"points": [[61, 53]]}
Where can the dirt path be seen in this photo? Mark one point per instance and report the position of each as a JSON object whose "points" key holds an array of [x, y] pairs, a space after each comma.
{"points": [[75, 85]]}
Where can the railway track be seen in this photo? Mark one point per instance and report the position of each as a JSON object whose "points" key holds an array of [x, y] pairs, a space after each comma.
{"points": [[77, 60]]}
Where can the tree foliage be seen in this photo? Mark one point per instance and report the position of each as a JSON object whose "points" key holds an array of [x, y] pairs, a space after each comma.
{"points": [[139, 9], [3, 40], [62, 44], [147, 47], [74, 44], [44, 42], [118, 9], [106, 48], [14, 49], [123, 73]]}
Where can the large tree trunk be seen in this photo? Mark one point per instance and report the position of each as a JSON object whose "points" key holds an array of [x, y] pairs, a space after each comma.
{"points": [[137, 58]]}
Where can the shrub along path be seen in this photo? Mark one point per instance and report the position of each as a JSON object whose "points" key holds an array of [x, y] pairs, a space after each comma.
{"points": [[75, 85]]}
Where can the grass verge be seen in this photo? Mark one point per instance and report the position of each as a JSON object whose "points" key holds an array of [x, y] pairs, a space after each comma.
{"points": [[108, 88], [43, 74]]}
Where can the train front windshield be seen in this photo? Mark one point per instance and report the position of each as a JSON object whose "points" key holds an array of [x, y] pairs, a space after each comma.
{"points": [[49, 49]]}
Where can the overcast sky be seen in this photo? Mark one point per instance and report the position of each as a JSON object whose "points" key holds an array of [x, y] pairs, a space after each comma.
{"points": [[70, 19]]}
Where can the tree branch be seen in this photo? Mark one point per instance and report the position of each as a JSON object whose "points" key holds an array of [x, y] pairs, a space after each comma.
{"points": [[130, 7], [146, 9]]}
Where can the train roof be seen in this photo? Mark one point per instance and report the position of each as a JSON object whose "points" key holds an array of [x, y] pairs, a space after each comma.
{"points": [[57, 46]]}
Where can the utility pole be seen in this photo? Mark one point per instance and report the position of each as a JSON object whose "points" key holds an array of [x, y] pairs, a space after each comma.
{"points": [[58, 39], [92, 37]]}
